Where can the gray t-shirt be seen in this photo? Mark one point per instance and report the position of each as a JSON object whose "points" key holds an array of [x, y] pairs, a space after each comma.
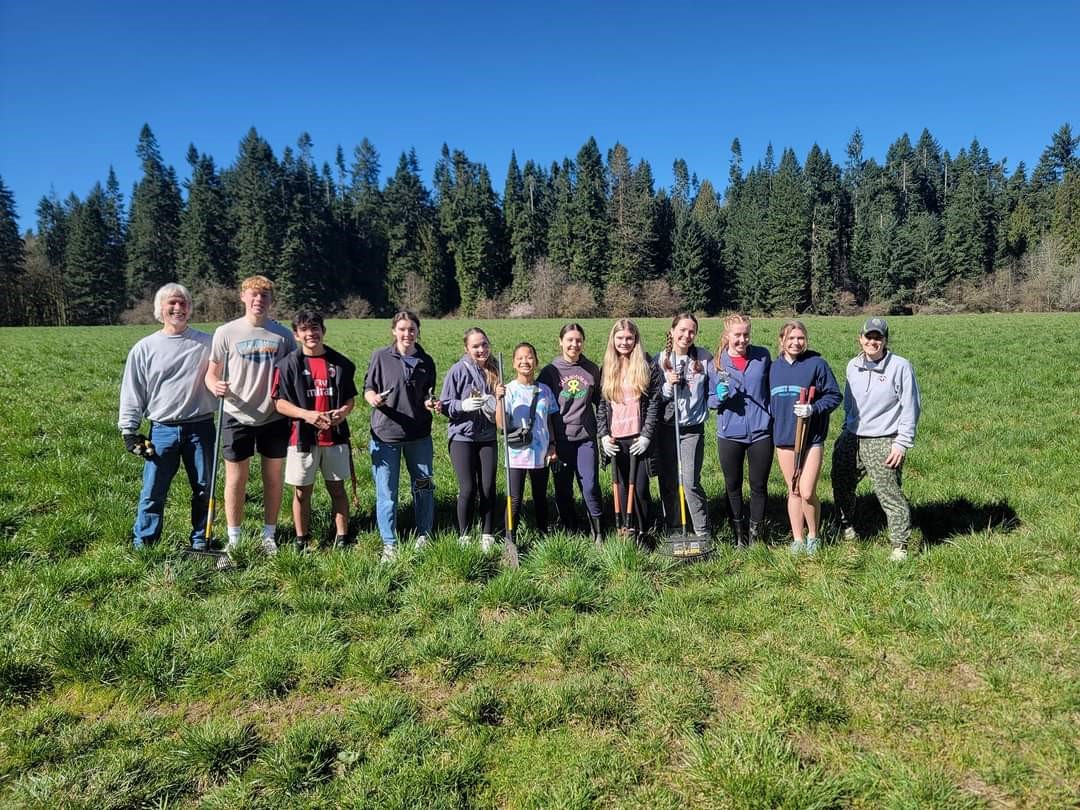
{"points": [[163, 380], [253, 352]]}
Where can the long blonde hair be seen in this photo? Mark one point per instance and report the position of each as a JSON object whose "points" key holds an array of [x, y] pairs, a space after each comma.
{"points": [[787, 327], [619, 370], [734, 319]]}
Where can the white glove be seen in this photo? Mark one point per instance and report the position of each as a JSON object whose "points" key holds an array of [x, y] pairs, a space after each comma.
{"points": [[609, 446], [640, 445], [803, 411], [470, 404]]}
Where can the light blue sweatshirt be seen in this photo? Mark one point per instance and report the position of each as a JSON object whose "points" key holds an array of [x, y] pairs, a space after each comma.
{"points": [[882, 399]]}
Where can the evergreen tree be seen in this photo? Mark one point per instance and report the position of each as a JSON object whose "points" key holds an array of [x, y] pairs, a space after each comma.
{"points": [[709, 216], [744, 239], [786, 268], [631, 238], [926, 193], [12, 259], [1058, 158], [1066, 219], [256, 207], [154, 228], [368, 226], [689, 273], [824, 191], [588, 263], [94, 285], [969, 221], [410, 219], [303, 269], [561, 229], [471, 222], [205, 253]]}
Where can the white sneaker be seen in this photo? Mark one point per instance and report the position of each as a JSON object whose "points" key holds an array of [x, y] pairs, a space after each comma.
{"points": [[269, 547], [850, 533], [230, 548], [420, 542], [487, 542], [898, 555], [463, 541], [389, 553]]}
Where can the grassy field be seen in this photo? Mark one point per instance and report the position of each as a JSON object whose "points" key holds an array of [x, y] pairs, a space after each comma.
{"points": [[583, 679]]}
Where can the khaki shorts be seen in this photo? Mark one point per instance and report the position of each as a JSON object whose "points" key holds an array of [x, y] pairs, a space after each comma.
{"points": [[332, 462]]}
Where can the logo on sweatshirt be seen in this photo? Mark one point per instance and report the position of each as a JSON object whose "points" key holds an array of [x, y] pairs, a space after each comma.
{"points": [[574, 388]]}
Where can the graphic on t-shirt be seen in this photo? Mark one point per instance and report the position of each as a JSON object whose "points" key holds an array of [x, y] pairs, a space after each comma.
{"points": [[574, 387]]}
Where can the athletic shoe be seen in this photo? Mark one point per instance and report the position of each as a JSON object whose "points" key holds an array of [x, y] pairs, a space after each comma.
{"points": [[269, 547], [230, 548], [420, 542], [797, 547], [389, 553], [487, 542], [898, 555], [812, 545], [463, 541], [850, 533], [300, 544], [199, 545]]}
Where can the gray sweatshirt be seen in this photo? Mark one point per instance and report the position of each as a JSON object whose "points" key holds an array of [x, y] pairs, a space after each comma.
{"points": [[163, 380], [882, 399], [693, 400]]}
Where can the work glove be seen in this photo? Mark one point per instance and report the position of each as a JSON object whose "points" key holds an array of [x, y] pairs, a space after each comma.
{"points": [[803, 410], [609, 446], [488, 406], [721, 391], [471, 404], [639, 446], [138, 444]]}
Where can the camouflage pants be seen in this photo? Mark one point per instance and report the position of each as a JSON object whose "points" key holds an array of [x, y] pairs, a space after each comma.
{"points": [[852, 459]]}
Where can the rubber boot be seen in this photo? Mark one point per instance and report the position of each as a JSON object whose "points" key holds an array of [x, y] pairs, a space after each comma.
{"points": [[755, 533], [597, 533], [740, 532]]}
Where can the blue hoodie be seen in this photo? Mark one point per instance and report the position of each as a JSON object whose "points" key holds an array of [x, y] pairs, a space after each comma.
{"points": [[743, 415], [785, 381], [465, 426]]}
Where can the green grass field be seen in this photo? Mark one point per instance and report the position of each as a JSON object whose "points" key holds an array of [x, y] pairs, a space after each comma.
{"points": [[583, 679]]}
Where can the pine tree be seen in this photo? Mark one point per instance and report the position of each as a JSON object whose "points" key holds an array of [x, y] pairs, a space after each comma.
{"points": [[1066, 219], [927, 176], [689, 273], [710, 217], [561, 229], [786, 270], [969, 215], [94, 285], [12, 258], [205, 252], [823, 191], [1058, 158], [154, 228], [303, 269], [410, 231], [256, 207], [744, 239], [368, 226], [631, 238], [589, 260]]}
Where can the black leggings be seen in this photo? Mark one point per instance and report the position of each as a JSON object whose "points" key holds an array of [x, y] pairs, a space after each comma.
{"points": [[732, 455], [620, 477], [538, 481], [476, 464]]}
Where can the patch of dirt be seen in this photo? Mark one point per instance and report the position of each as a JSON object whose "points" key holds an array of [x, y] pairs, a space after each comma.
{"points": [[995, 797]]}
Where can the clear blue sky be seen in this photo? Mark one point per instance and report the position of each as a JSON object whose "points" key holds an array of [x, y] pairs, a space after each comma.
{"points": [[669, 80]]}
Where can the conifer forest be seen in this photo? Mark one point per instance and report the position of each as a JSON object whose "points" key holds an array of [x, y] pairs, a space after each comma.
{"points": [[920, 229]]}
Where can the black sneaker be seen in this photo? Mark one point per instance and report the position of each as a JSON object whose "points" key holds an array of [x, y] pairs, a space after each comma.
{"points": [[341, 541], [301, 543]]}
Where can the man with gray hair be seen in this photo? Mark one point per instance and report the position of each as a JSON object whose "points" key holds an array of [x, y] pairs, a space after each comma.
{"points": [[163, 382]]}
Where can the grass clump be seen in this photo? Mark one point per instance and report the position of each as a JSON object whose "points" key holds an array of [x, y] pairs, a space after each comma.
{"points": [[217, 750]]}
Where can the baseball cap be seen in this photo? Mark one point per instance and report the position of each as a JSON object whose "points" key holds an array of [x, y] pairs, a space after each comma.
{"points": [[876, 325]]}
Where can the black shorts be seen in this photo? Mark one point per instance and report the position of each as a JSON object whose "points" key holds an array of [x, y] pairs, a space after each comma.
{"points": [[240, 442]]}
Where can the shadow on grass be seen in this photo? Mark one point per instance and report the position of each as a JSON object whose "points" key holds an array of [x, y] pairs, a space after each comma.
{"points": [[941, 520]]}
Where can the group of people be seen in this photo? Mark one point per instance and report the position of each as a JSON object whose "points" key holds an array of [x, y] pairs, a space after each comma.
{"points": [[287, 396]]}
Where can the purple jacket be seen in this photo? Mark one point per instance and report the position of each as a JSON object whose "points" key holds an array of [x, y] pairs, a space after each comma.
{"points": [[743, 415]]}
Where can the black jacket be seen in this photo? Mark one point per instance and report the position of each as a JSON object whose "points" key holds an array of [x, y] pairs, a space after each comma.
{"points": [[292, 384], [649, 403]]}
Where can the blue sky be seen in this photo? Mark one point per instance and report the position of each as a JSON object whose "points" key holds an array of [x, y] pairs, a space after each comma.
{"points": [[669, 80]]}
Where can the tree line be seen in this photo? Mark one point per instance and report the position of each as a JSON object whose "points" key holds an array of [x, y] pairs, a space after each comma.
{"points": [[921, 230]]}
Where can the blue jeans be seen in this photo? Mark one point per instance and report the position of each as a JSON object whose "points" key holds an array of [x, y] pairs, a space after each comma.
{"points": [[386, 470], [192, 443]]}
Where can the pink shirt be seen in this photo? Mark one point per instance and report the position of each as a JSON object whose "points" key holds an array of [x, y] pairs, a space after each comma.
{"points": [[626, 415]]}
